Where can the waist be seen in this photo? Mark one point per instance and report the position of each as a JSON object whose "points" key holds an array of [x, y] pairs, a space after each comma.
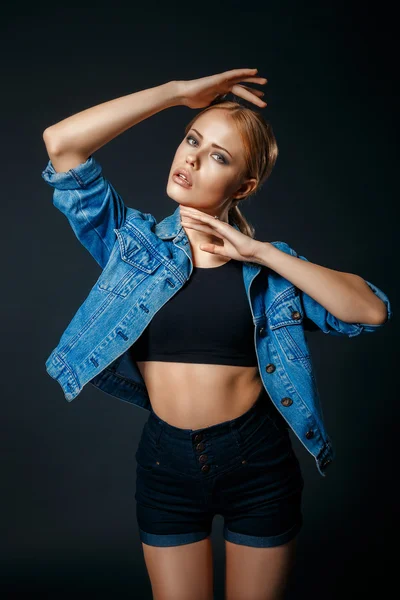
{"points": [[261, 405], [199, 395]]}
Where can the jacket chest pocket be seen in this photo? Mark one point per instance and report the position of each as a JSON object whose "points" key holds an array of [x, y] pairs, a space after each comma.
{"points": [[130, 263], [286, 322]]}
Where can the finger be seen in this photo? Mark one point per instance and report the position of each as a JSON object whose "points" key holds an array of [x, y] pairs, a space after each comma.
{"points": [[253, 90], [244, 93], [237, 75], [211, 248], [259, 80], [190, 212], [240, 73], [202, 227], [213, 224], [200, 217], [195, 213]]}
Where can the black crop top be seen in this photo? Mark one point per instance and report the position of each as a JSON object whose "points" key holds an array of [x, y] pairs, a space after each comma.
{"points": [[207, 321]]}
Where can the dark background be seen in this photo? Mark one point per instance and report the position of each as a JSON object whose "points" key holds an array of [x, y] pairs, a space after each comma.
{"points": [[68, 469]]}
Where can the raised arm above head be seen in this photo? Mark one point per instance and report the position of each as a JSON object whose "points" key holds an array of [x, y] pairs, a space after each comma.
{"points": [[71, 141], [92, 205]]}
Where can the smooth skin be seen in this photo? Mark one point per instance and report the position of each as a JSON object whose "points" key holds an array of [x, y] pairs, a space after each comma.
{"points": [[181, 572], [186, 571]]}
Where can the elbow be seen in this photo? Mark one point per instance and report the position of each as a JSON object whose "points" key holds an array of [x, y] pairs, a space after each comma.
{"points": [[379, 317], [384, 318], [46, 135], [50, 141]]}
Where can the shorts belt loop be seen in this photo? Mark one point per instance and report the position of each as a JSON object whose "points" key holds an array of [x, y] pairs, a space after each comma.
{"points": [[159, 433], [236, 433]]}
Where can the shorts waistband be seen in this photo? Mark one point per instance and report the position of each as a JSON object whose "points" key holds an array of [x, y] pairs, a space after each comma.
{"points": [[263, 405]]}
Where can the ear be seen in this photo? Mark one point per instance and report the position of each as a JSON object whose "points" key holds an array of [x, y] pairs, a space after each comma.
{"points": [[245, 189]]}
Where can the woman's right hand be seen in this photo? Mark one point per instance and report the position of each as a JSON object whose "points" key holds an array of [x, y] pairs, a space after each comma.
{"points": [[199, 93]]}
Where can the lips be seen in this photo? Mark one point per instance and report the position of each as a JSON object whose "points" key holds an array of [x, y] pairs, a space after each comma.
{"points": [[186, 173]]}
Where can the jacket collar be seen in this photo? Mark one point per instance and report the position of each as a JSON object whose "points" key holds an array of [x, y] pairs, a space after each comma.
{"points": [[171, 225]]}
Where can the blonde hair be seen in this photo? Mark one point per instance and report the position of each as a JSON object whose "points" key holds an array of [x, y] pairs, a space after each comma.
{"points": [[260, 151]]}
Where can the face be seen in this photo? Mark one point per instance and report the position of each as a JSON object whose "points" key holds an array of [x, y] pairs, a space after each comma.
{"points": [[215, 172]]}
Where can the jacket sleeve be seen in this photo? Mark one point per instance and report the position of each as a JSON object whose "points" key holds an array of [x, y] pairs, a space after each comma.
{"points": [[91, 204], [316, 317]]}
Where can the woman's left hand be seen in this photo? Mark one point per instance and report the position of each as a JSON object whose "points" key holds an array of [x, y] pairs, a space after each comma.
{"points": [[233, 243]]}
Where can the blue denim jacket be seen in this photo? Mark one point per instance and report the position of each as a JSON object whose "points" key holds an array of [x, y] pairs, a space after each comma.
{"points": [[144, 263]]}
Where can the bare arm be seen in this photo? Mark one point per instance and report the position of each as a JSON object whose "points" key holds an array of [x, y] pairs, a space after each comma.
{"points": [[346, 296], [71, 141]]}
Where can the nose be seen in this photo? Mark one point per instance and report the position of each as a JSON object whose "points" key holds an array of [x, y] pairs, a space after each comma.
{"points": [[190, 159]]}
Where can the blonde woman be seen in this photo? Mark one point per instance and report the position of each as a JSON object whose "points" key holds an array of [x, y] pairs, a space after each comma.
{"points": [[202, 325]]}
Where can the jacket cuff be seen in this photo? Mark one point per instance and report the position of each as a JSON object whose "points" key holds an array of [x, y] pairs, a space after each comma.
{"points": [[80, 176]]}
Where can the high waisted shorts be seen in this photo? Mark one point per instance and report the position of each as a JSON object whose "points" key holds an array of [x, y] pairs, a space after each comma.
{"points": [[244, 470]]}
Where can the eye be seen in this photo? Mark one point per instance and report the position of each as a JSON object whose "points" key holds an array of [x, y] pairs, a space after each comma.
{"points": [[190, 137]]}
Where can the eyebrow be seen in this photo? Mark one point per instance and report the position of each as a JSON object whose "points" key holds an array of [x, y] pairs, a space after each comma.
{"points": [[213, 145]]}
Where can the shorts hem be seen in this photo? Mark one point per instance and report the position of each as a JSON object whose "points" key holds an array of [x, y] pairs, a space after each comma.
{"points": [[261, 542], [175, 539]]}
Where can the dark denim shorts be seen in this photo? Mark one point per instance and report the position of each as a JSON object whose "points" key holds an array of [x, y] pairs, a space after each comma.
{"points": [[244, 469]]}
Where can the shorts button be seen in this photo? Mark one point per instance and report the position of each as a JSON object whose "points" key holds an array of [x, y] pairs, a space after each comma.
{"points": [[200, 446], [198, 437], [203, 458], [205, 468]]}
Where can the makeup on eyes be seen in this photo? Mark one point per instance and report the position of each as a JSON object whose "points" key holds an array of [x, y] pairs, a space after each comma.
{"points": [[224, 160]]}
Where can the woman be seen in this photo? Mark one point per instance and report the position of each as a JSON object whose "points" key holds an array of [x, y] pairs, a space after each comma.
{"points": [[194, 319]]}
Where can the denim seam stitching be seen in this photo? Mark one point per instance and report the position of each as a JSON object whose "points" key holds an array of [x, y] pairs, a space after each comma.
{"points": [[90, 223]]}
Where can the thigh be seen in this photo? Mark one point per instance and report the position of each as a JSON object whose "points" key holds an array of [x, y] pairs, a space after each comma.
{"points": [[180, 572], [258, 573]]}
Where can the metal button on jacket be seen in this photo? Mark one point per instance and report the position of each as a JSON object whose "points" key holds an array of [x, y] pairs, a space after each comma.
{"points": [[309, 434], [287, 402], [296, 315], [270, 368]]}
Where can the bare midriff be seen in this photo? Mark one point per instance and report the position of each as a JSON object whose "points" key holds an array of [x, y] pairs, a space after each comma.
{"points": [[192, 396]]}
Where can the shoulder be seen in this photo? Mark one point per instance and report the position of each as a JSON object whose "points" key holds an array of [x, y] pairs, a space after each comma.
{"points": [[135, 217]]}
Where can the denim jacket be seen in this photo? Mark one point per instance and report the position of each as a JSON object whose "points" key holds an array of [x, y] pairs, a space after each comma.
{"points": [[144, 263]]}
